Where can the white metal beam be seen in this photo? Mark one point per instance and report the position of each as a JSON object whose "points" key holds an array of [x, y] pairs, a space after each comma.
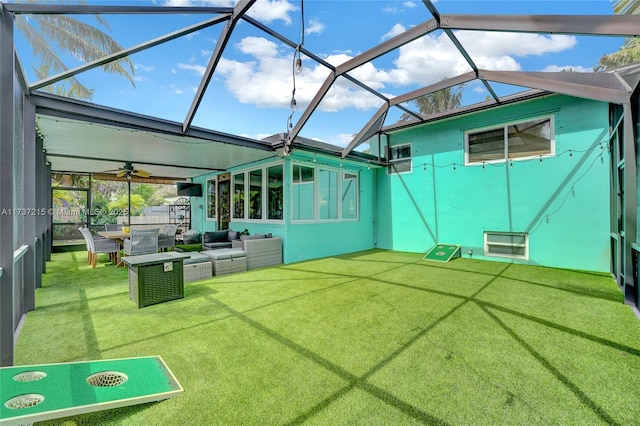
{"points": [[608, 25], [372, 127], [240, 8], [311, 107], [387, 46], [601, 86], [126, 52]]}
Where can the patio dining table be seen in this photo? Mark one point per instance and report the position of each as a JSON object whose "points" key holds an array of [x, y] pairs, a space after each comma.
{"points": [[116, 235]]}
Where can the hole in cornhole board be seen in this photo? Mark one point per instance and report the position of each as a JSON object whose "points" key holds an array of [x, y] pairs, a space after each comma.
{"points": [[443, 252]]}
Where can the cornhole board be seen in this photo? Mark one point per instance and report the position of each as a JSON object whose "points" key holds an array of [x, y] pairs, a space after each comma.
{"points": [[49, 391], [443, 252]]}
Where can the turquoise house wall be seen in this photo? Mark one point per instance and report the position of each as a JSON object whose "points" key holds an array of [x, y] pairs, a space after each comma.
{"points": [[562, 202], [322, 239], [310, 240]]}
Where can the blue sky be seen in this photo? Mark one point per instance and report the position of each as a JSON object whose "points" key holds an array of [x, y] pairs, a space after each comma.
{"points": [[250, 92]]}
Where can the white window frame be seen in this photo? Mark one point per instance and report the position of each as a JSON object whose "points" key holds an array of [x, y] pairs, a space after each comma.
{"points": [[504, 126], [316, 182], [488, 253], [409, 159], [264, 201], [214, 181], [341, 180]]}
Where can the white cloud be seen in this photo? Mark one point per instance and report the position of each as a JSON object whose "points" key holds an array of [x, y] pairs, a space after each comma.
{"points": [[391, 9], [272, 10], [409, 4], [257, 46], [265, 80], [199, 69], [394, 31], [558, 68], [145, 68], [192, 35], [314, 27]]}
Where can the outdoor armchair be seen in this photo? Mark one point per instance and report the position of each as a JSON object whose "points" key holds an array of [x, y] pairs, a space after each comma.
{"points": [[142, 241], [167, 237], [99, 245]]}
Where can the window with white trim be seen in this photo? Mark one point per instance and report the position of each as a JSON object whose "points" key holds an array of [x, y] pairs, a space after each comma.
{"points": [[211, 199], [323, 193], [512, 245], [399, 159], [512, 141], [303, 187], [258, 194]]}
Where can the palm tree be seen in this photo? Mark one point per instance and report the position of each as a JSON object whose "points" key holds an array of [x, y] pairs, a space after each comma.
{"points": [[630, 51], [435, 102], [49, 35]]}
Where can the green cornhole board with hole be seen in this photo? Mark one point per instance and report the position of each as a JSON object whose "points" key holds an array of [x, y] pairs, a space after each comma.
{"points": [[49, 391], [443, 252]]}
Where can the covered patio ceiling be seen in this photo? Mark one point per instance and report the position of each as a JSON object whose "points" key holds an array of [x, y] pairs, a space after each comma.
{"points": [[86, 137]]}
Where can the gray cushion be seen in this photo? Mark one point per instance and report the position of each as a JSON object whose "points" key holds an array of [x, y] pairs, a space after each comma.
{"points": [[225, 254], [225, 244], [196, 258], [252, 237], [233, 235], [215, 236]]}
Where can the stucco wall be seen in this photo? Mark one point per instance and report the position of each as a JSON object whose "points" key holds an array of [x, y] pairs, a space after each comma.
{"points": [[561, 202]]}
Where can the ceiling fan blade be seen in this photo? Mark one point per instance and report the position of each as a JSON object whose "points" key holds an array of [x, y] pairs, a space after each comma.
{"points": [[141, 173], [121, 173]]}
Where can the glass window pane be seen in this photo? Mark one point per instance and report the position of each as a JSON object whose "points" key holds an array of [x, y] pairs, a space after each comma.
{"points": [[211, 199], [530, 138], [306, 174], [399, 167], [328, 194], [509, 250], [238, 196], [255, 194], [303, 205], [486, 146], [349, 196], [506, 238], [400, 152], [274, 192]]}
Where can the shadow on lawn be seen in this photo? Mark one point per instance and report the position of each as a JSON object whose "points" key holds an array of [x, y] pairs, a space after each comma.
{"points": [[362, 383]]}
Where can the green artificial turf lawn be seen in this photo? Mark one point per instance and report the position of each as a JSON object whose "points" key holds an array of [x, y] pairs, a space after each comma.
{"points": [[376, 337]]}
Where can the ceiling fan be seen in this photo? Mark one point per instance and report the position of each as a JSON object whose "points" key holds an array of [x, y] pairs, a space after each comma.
{"points": [[128, 170]]}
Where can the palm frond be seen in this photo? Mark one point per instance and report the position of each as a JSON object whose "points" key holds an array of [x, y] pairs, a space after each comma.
{"points": [[626, 7], [86, 42], [50, 60]]}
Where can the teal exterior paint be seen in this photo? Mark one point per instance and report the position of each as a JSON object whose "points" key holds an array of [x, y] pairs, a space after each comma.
{"points": [[199, 208], [305, 240], [561, 202]]}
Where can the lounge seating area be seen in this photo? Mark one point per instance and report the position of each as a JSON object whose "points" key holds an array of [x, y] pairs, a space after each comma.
{"points": [[231, 256]]}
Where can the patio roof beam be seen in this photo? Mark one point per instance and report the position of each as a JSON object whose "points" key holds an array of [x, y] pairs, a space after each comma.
{"points": [[387, 46], [287, 41], [146, 163], [432, 9], [368, 130], [126, 52], [240, 8], [608, 25], [328, 82], [580, 85], [443, 84], [81, 111], [79, 9]]}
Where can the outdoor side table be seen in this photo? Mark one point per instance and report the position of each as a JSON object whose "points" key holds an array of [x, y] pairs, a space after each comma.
{"points": [[155, 278]]}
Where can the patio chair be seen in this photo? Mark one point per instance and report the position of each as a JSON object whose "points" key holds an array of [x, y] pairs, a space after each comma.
{"points": [[142, 241], [100, 245], [112, 227], [167, 237]]}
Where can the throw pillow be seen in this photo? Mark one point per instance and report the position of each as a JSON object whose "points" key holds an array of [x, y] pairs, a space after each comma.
{"points": [[215, 236], [233, 235]]}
